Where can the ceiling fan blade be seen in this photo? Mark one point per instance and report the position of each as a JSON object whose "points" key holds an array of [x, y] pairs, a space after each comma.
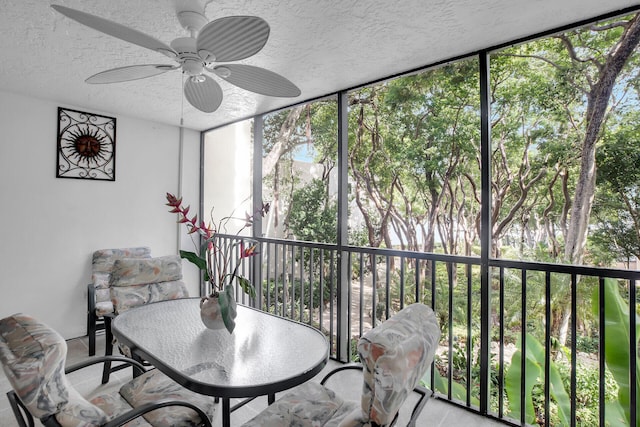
{"points": [[233, 38], [116, 30], [131, 72], [206, 95], [258, 80]]}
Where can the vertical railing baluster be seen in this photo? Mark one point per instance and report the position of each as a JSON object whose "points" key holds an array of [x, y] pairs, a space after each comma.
{"points": [[403, 260], [547, 345], [469, 334], [523, 348], [285, 280], [574, 337], [276, 281], [601, 319], [450, 267], [311, 278], [374, 291], [293, 282], [434, 266], [350, 302], [332, 294], [360, 260], [633, 356], [501, 354], [387, 287], [268, 287], [321, 294], [417, 276], [243, 273], [301, 265]]}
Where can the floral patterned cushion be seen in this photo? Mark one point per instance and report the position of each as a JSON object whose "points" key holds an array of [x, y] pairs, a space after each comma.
{"points": [[113, 404], [127, 297], [310, 405], [395, 356], [153, 386], [133, 271], [101, 266], [136, 282], [33, 357]]}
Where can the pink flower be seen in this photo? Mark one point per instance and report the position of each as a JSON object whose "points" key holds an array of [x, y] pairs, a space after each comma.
{"points": [[247, 252], [222, 262]]}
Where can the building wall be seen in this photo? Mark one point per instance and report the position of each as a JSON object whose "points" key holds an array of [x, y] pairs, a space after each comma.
{"points": [[50, 226], [227, 183]]}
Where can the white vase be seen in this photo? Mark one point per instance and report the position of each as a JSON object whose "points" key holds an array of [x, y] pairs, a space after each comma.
{"points": [[210, 312]]}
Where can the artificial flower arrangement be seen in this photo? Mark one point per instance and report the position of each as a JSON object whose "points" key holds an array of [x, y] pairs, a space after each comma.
{"points": [[214, 261]]}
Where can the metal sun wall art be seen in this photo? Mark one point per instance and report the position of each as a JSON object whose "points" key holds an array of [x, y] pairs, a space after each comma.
{"points": [[86, 146]]}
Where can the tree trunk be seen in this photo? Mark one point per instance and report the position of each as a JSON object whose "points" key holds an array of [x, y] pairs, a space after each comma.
{"points": [[597, 102], [282, 144]]}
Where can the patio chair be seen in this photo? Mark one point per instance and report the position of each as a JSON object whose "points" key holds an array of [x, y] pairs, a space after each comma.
{"points": [[138, 281], [33, 357], [98, 295], [394, 355]]}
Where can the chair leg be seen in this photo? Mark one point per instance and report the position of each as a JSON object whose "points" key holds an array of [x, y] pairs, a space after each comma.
{"points": [[92, 318], [19, 410], [91, 331], [108, 349]]}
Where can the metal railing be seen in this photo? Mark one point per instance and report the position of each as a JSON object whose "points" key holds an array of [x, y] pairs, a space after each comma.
{"points": [[546, 306]]}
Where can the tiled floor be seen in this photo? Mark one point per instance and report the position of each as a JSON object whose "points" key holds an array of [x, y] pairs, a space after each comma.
{"points": [[436, 413]]}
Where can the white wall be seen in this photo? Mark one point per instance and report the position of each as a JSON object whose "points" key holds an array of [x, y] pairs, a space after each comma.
{"points": [[227, 184], [50, 226]]}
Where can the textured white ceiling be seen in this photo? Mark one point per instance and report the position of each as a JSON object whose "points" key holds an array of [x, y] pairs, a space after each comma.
{"points": [[321, 45]]}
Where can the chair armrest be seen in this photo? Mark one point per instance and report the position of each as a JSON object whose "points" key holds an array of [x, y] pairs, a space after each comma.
{"points": [[344, 367], [417, 409], [424, 393], [137, 366], [148, 407]]}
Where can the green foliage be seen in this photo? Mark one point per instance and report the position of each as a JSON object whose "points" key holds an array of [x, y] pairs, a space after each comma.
{"points": [[274, 290], [227, 301], [586, 344], [246, 285], [617, 333], [458, 391], [534, 373], [588, 390], [197, 260], [617, 206], [313, 217]]}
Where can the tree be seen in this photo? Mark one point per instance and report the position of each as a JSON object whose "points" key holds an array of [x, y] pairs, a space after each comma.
{"points": [[618, 194], [318, 220], [600, 88]]}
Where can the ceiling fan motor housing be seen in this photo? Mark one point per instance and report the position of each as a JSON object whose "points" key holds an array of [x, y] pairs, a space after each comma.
{"points": [[192, 63]]}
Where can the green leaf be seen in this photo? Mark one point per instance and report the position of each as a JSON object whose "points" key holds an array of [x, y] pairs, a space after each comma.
{"points": [[196, 260], [534, 370], [513, 378], [617, 333], [458, 391], [228, 308], [246, 286]]}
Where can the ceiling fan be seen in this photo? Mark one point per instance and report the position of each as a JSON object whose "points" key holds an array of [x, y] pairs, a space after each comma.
{"points": [[223, 40]]}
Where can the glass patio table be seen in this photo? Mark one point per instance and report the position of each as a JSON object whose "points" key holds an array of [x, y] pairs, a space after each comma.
{"points": [[265, 354]]}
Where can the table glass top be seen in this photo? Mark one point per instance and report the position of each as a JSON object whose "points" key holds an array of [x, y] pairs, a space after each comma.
{"points": [[263, 349]]}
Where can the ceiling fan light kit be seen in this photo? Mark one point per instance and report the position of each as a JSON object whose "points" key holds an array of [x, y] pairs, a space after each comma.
{"points": [[227, 39]]}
